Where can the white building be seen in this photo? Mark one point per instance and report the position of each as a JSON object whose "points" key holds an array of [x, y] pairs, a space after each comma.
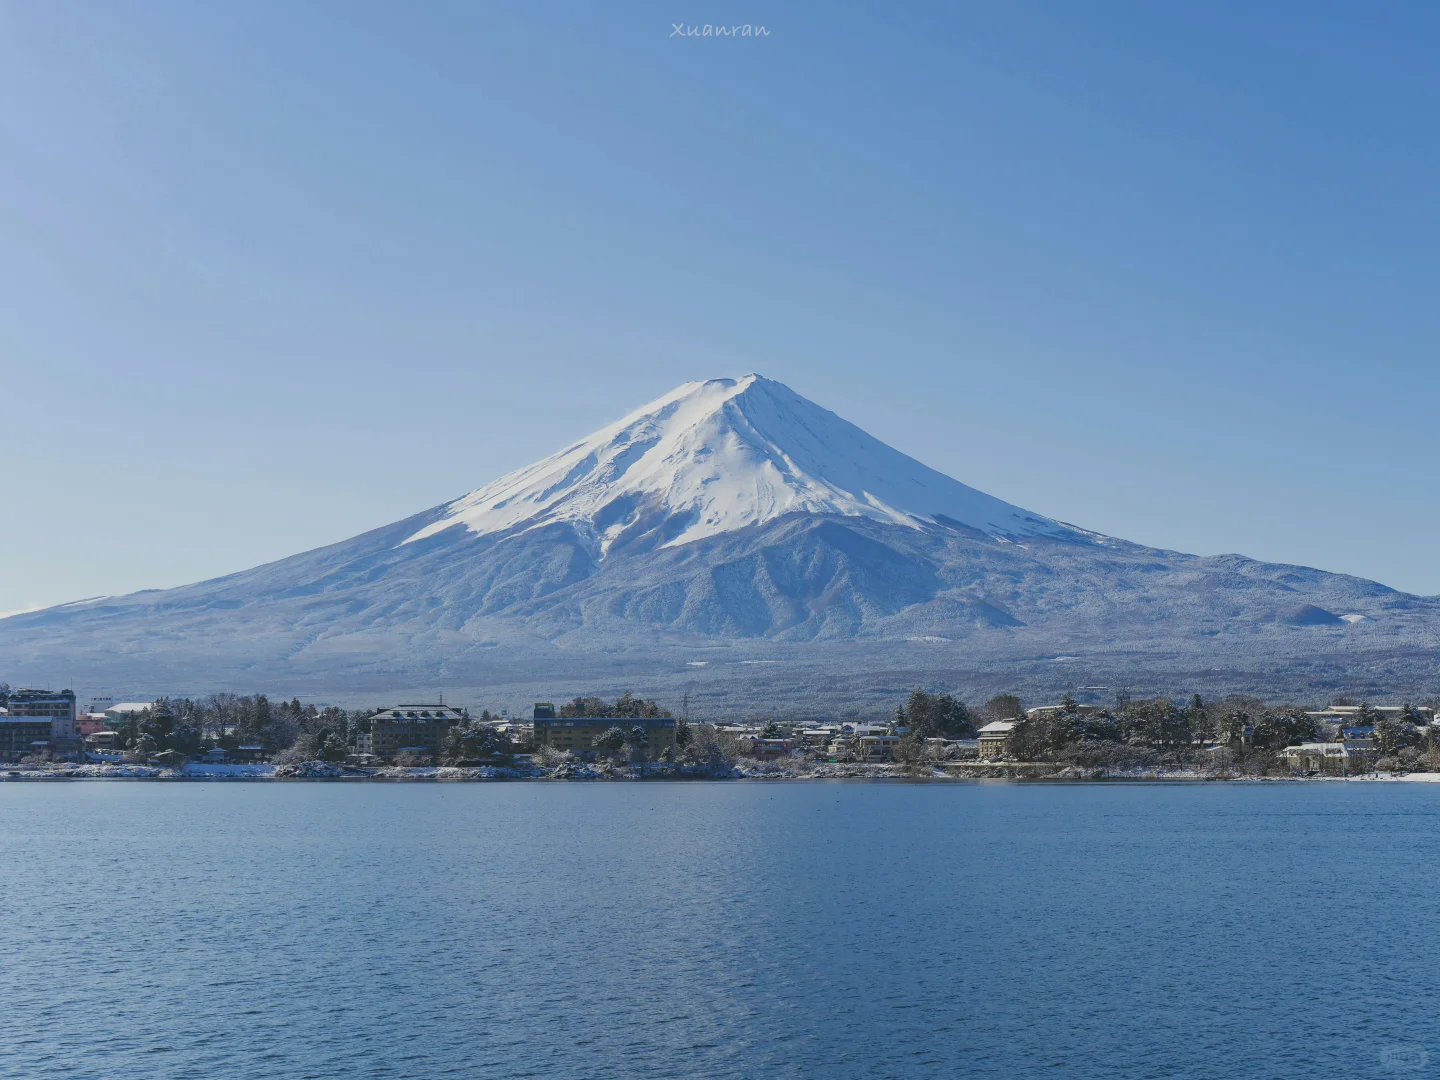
{"points": [[119, 713], [995, 737]]}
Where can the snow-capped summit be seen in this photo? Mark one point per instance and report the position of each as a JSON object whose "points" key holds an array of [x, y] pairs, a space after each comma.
{"points": [[717, 456]]}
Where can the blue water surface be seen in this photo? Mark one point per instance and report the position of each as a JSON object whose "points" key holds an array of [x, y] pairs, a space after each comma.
{"points": [[808, 929]]}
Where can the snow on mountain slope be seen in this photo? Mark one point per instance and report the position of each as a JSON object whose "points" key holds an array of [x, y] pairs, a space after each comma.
{"points": [[712, 457], [733, 518]]}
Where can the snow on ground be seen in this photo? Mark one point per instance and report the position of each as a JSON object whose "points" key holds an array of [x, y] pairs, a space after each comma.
{"points": [[83, 772]]}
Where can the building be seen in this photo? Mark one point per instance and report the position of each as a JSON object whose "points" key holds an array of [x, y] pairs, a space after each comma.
{"points": [[770, 749], [1358, 739], [1346, 715], [58, 709], [819, 738], [103, 740], [995, 738], [578, 734], [119, 713], [21, 736], [874, 746], [1053, 710], [89, 723], [417, 729], [1325, 757]]}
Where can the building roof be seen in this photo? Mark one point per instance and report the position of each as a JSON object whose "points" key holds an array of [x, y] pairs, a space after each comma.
{"points": [[999, 727], [129, 707], [419, 714]]}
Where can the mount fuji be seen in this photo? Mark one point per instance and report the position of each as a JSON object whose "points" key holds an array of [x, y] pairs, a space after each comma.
{"points": [[734, 540]]}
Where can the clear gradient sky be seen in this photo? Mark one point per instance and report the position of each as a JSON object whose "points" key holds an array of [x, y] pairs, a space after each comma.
{"points": [[272, 274]]}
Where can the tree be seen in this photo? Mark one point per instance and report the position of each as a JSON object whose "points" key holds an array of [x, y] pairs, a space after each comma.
{"points": [[158, 722], [585, 706], [626, 707], [479, 742], [1003, 707], [1391, 735], [1288, 725], [610, 741], [322, 745], [1156, 723], [1232, 728], [637, 739], [683, 733], [770, 731], [935, 716]]}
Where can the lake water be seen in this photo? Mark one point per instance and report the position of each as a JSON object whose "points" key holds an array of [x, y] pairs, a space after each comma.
{"points": [[825, 930]]}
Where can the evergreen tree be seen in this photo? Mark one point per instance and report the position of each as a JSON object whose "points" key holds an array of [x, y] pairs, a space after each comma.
{"points": [[610, 741], [935, 716], [1232, 728]]}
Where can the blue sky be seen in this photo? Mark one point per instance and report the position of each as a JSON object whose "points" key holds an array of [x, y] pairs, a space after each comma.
{"points": [[274, 274]]}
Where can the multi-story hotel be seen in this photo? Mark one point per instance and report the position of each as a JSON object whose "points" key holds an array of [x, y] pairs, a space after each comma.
{"points": [[416, 728], [58, 708], [578, 734]]}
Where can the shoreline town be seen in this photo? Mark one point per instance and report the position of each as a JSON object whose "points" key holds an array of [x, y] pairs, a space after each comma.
{"points": [[931, 737]]}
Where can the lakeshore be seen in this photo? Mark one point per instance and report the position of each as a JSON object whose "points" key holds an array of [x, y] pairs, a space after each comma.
{"points": [[951, 772]]}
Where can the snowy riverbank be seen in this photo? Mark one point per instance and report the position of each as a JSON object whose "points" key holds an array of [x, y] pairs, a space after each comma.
{"points": [[601, 771]]}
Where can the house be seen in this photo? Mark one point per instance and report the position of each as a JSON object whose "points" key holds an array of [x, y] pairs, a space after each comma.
{"points": [[102, 740], [874, 746], [994, 740], [769, 749], [216, 755], [171, 759], [246, 754], [518, 732], [818, 738], [416, 729], [1358, 739], [89, 723], [1331, 757]]}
